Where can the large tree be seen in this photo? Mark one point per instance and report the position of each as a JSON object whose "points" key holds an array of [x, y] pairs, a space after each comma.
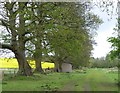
{"points": [[69, 36], [61, 30], [14, 22]]}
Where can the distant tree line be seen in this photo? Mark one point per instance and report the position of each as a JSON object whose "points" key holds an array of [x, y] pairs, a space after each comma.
{"points": [[104, 62]]}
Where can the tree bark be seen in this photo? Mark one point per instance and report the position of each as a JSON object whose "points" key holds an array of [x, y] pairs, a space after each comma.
{"points": [[38, 65], [24, 67], [60, 66], [57, 67], [38, 59]]}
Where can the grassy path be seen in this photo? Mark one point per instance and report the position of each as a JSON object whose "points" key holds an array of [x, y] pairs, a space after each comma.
{"points": [[87, 87], [93, 80], [69, 86], [98, 80]]}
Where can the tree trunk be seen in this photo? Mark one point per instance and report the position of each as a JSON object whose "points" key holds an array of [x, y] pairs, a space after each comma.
{"points": [[38, 58], [60, 66], [38, 65], [24, 67], [57, 67]]}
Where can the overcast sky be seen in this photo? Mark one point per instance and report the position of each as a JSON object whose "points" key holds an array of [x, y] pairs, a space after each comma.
{"points": [[104, 31]]}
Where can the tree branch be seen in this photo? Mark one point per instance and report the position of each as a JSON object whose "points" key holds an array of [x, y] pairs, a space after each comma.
{"points": [[5, 23], [5, 46]]}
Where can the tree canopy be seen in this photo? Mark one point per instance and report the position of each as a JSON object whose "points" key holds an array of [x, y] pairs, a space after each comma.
{"points": [[58, 31]]}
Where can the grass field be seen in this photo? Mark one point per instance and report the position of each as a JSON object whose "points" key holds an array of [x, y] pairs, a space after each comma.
{"points": [[12, 63], [92, 80]]}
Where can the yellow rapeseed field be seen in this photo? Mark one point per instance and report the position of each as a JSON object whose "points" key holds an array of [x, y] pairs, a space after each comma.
{"points": [[12, 63]]}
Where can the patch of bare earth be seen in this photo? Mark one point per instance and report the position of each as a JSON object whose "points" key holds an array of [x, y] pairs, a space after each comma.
{"points": [[86, 87], [70, 86]]}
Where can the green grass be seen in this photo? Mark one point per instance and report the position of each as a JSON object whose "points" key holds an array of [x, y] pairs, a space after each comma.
{"points": [[92, 80], [0, 86], [97, 80]]}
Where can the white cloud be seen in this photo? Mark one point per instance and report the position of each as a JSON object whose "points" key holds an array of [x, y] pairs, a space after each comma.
{"points": [[103, 46], [104, 31]]}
